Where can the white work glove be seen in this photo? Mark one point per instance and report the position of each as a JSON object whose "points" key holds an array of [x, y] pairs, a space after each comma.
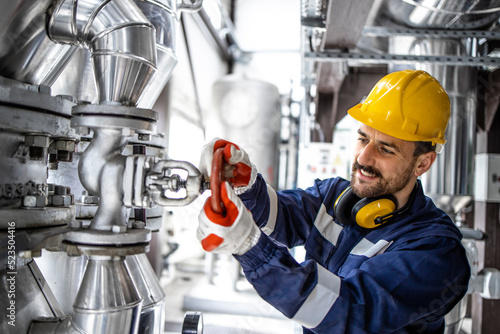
{"points": [[238, 169], [233, 232]]}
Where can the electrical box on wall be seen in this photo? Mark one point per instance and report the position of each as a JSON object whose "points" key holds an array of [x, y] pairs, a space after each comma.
{"points": [[487, 178]]}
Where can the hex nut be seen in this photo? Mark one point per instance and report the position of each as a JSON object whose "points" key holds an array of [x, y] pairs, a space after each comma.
{"points": [[89, 199], [36, 141], [32, 201], [61, 200], [65, 145]]}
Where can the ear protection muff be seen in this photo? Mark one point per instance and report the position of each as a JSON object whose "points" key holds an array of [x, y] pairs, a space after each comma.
{"points": [[343, 206], [368, 212], [372, 212]]}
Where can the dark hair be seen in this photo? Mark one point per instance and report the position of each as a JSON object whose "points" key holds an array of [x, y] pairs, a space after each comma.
{"points": [[422, 147]]}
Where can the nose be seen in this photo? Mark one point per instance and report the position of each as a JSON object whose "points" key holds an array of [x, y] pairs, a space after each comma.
{"points": [[366, 156]]}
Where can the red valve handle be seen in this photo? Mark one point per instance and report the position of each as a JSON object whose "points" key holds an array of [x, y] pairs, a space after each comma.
{"points": [[216, 178]]}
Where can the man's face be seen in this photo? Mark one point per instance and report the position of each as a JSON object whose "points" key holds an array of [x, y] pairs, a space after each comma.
{"points": [[382, 164]]}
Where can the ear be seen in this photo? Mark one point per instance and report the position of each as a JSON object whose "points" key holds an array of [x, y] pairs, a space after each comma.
{"points": [[424, 163]]}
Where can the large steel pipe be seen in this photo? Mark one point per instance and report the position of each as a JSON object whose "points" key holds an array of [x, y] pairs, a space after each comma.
{"points": [[107, 301]]}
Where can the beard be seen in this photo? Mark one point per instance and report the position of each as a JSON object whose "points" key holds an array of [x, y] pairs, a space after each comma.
{"points": [[384, 186]]}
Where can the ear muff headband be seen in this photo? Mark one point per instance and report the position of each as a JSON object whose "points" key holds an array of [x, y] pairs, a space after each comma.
{"points": [[343, 206]]}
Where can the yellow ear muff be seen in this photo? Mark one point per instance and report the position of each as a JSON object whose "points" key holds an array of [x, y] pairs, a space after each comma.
{"points": [[366, 211], [343, 206], [369, 212]]}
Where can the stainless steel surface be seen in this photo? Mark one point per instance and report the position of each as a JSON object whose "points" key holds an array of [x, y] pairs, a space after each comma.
{"points": [[122, 67], [163, 16], [63, 275], [461, 14], [86, 204], [162, 186], [107, 301], [357, 59], [26, 52], [189, 6], [26, 287], [77, 79], [153, 306], [107, 54], [381, 31], [126, 118]]}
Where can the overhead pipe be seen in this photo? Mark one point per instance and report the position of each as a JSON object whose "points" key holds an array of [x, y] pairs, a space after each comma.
{"points": [[26, 52], [444, 14]]}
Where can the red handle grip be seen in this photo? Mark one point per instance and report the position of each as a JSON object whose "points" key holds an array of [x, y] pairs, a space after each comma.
{"points": [[216, 178]]}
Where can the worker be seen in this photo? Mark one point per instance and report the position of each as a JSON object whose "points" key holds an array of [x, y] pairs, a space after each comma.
{"points": [[380, 256]]}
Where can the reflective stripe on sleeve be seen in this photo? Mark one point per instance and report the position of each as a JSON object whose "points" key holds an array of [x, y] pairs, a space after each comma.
{"points": [[327, 226], [320, 300], [369, 249], [273, 211]]}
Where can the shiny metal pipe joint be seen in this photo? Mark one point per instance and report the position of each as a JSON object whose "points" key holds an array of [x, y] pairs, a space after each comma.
{"points": [[120, 38]]}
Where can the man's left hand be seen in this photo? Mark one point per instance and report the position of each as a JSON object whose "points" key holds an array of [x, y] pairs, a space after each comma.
{"points": [[233, 232]]}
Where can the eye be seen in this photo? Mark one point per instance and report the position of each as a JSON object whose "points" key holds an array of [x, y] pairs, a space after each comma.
{"points": [[386, 151], [362, 140]]}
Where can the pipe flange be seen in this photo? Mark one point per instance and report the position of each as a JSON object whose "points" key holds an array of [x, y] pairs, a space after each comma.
{"points": [[89, 250], [108, 238], [114, 117], [36, 217]]}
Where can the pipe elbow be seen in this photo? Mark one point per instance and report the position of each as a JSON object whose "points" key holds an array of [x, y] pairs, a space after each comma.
{"points": [[120, 38]]}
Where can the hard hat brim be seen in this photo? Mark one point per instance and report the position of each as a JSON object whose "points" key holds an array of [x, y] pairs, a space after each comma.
{"points": [[383, 126]]}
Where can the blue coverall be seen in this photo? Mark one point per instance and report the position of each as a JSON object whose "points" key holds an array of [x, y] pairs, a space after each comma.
{"points": [[402, 277]]}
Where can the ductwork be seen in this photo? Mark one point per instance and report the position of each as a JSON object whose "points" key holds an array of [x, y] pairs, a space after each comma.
{"points": [[107, 28], [26, 52], [444, 14]]}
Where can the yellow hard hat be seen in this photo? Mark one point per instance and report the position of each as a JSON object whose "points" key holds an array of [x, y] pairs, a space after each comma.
{"points": [[409, 105]]}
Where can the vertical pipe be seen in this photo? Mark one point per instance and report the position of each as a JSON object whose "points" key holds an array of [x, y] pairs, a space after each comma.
{"points": [[108, 301]]}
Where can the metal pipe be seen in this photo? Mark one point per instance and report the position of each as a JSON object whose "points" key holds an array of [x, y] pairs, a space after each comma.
{"points": [[26, 52], [456, 14], [149, 289], [121, 41], [108, 301]]}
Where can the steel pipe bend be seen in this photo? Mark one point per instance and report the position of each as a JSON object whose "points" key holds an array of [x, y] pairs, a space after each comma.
{"points": [[120, 38]]}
